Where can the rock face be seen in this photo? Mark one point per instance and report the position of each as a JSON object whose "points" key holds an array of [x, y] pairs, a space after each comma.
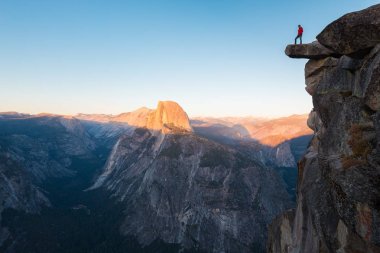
{"points": [[353, 34], [268, 138], [339, 177], [276, 131], [44, 144], [108, 128], [277, 143], [182, 189], [17, 190], [34, 150], [280, 236], [163, 188], [312, 50], [168, 114], [269, 132]]}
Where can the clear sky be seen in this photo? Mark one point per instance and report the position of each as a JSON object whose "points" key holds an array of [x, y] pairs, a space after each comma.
{"points": [[214, 57]]}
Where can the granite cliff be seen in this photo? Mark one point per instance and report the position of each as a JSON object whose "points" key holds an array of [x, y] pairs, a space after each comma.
{"points": [[143, 181], [179, 188], [269, 139], [39, 154], [338, 195]]}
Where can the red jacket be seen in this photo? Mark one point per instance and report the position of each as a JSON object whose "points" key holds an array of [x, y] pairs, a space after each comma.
{"points": [[300, 30]]}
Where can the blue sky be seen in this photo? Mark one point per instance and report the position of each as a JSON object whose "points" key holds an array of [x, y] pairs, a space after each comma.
{"points": [[214, 57]]}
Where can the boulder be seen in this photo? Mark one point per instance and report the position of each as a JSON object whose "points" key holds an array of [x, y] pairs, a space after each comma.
{"points": [[312, 50], [353, 34]]}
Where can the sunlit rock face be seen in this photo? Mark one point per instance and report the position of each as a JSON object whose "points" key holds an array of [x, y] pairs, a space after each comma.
{"points": [[339, 177], [137, 118], [168, 114], [277, 131], [276, 142], [183, 189], [269, 132]]}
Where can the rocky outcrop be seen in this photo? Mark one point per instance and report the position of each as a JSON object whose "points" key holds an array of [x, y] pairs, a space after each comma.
{"points": [[312, 50], [282, 155], [181, 189], [168, 115], [353, 34], [193, 192], [339, 177]]}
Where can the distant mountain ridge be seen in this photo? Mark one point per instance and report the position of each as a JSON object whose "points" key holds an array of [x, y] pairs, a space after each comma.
{"points": [[180, 188], [269, 132], [134, 118], [273, 135], [164, 180], [270, 139]]}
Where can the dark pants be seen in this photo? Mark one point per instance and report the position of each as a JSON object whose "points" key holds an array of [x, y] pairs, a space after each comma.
{"points": [[298, 36]]}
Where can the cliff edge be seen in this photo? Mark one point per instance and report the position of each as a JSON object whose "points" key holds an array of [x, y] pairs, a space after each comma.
{"points": [[338, 195]]}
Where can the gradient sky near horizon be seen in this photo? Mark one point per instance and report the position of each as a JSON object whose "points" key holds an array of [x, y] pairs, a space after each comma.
{"points": [[214, 57]]}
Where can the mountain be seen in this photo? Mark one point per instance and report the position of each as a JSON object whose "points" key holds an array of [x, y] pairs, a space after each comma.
{"points": [[269, 132], [41, 157], [278, 143], [338, 194], [137, 118], [144, 181], [44, 143], [183, 189], [168, 113], [17, 191], [271, 139]]}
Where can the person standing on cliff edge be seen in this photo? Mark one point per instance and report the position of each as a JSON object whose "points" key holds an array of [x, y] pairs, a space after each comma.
{"points": [[299, 35]]}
